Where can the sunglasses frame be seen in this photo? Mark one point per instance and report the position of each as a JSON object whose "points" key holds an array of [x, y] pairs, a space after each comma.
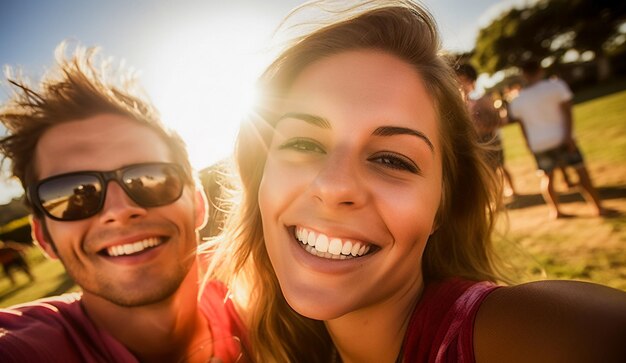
{"points": [[104, 177]]}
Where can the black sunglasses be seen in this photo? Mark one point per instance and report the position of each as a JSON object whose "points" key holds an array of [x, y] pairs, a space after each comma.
{"points": [[81, 194]]}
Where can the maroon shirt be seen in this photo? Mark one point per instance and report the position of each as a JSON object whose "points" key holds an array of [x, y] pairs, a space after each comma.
{"points": [[441, 329], [57, 329]]}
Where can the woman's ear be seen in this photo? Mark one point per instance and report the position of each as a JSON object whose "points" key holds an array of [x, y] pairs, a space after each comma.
{"points": [[40, 236]]}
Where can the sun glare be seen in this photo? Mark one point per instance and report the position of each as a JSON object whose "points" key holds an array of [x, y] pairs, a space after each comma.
{"points": [[204, 85]]}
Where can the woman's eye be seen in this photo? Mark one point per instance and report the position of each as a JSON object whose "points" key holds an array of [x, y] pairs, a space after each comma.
{"points": [[304, 145], [396, 162]]}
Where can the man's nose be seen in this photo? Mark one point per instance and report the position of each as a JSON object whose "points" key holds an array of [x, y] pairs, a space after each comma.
{"points": [[118, 206]]}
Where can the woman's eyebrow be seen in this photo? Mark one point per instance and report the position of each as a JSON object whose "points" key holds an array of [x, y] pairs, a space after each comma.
{"points": [[397, 130], [308, 118], [380, 131]]}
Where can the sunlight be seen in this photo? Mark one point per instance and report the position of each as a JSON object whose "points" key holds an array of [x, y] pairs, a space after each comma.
{"points": [[10, 187], [204, 86]]}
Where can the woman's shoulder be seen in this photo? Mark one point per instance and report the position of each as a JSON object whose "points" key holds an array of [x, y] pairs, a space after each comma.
{"points": [[565, 321]]}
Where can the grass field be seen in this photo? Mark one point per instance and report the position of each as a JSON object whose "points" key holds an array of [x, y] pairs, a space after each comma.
{"points": [[583, 248]]}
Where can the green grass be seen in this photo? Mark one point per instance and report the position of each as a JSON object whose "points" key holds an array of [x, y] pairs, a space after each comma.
{"points": [[50, 279], [558, 255], [600, 127], [584, 248]]}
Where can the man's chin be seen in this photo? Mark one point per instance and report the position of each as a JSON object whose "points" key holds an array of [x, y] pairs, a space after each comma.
{"points": [[137, 296]]}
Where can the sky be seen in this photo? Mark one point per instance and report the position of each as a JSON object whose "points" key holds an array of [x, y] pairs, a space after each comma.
{"points": [[196, 59]]}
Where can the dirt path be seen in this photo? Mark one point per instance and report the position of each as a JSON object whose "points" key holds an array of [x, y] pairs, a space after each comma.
{"points": [[585, 247]]}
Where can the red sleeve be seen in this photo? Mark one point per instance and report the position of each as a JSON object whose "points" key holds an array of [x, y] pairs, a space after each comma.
{"points": [[230, 340]]}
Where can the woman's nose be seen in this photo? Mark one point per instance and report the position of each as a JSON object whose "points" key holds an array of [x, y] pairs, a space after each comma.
{"points": [[340, 182]]}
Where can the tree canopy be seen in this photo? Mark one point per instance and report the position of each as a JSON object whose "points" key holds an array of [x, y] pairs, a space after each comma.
{"points": [[549, 29]]}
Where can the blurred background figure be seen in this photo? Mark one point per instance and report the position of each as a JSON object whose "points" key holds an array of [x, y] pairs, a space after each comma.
{"points": [[488, 121], [12, 258], [544, 110]]}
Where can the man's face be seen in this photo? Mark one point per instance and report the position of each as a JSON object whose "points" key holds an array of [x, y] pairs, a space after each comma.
{"points": [[157, 245]]}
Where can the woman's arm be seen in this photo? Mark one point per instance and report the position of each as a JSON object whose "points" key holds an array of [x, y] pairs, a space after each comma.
{"points": [[552, 321]]}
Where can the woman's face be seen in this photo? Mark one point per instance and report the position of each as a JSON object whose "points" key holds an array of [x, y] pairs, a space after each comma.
{"points": [[351, 185]]}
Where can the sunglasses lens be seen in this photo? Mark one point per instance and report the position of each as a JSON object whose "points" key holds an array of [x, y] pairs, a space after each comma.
{"points": [[71, 197], [153, 185]]}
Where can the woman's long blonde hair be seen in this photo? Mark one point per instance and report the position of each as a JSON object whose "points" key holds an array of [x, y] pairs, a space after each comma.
{"points": [[462, 244]]}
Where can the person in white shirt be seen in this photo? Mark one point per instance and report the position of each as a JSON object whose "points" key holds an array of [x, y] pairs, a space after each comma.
{"points": [[544, 111]]}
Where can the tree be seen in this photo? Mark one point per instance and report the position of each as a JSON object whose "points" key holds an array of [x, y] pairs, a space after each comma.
{"points": [[549, 29], [594, 23]]}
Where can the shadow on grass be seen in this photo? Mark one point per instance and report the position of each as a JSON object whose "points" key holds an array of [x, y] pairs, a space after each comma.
{"points": [[532, 200], [14, 289], [65, 284]]}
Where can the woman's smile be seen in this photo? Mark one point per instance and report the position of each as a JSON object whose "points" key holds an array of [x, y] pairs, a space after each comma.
{"points": [[352, 184], [321, 245]]}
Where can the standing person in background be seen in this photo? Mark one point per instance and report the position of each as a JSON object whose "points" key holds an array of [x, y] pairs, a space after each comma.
{"points": [[487, 121], [509, 93], [12, 256], [114, 199], [544, 111], [364, 232]]}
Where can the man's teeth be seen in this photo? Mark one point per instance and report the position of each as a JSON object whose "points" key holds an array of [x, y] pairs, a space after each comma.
{"points": [[134, 247], [321, 245]]}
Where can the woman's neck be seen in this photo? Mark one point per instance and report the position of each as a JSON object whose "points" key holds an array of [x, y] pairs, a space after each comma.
{"points": [[375, 333]]}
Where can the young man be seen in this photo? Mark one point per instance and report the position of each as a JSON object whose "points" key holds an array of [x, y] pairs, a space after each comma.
{"points": [[488, 122], [544, 110], [114, 199]]}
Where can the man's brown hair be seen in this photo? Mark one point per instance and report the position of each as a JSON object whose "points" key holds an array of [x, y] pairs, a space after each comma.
{"points": [[80, 86]]}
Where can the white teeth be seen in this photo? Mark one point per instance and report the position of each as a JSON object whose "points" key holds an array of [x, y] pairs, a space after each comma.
{"points": [[131, 248], [347, 247], [301, 234], [335, 246], [311, 250], [355, 249], [321, 245]]}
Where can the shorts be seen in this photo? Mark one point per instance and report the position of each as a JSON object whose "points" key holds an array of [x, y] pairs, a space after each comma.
{"points": [[560, 156]]}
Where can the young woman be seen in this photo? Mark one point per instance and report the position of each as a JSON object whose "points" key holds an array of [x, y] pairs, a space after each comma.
{"points": [[363, 233]]}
